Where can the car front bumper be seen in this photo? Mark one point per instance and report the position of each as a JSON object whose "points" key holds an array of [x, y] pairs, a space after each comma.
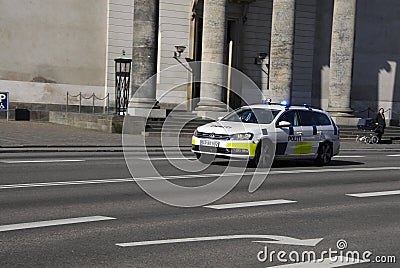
{"points": [[224, 148]]}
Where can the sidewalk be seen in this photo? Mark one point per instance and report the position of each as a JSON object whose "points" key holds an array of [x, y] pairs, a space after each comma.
{"points": [[22, 136], [43, 134], [30, 136]]}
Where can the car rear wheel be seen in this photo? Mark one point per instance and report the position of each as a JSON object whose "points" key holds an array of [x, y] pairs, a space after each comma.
{"points": [[324, 155]]}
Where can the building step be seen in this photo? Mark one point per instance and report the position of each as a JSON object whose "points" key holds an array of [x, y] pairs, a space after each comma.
{"points": [[182, 122], [367, 132], [173, 126], [167, 134], [176, 123], [355, 128]]}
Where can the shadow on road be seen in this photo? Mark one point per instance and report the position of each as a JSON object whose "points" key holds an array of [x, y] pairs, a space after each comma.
{"points": [[310, 163], [290, 163]]}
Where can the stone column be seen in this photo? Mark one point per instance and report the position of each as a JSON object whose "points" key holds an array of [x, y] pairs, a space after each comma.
{"points": [[341, 63], [214, 40], [144, 56], [281, 51]]}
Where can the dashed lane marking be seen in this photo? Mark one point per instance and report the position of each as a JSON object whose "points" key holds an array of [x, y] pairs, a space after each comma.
{"points": [[38, 224], [167, 158], [190, 176], [271, 239], [349, 156], [41, 161], [375, 194], [251, 204]]}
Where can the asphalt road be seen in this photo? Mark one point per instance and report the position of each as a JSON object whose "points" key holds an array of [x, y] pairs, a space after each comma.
{"points": [[84, 210]]}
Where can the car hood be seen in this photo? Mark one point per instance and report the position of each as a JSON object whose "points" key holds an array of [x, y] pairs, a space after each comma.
{"points": [[229, 128]]}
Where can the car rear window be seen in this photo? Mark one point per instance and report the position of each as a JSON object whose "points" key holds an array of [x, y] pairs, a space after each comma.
{"points": [[322, 119]]}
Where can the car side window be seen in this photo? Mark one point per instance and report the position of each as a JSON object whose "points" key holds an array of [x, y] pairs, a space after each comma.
{"points": [[307, 118], [321, 119], [289, 116]]}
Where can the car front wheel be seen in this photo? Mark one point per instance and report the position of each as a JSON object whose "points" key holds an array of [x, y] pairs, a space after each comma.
{"points": [[205, 158], [264, 155]]}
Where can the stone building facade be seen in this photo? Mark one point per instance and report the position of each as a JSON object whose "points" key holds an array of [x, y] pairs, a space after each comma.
{"points": [[340, 55]]}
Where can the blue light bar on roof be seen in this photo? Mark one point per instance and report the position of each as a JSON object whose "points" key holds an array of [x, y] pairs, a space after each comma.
{"points": [[285, 103]]}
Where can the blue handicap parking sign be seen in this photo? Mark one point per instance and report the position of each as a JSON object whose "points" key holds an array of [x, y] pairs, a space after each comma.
{"points": [[3, 101]]}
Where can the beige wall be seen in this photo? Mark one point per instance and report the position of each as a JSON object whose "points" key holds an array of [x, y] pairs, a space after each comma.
{"points": [[174, 29], [61, 41]]}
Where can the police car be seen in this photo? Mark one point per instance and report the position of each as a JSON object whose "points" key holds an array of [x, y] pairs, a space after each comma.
{"points": [[264, 132]]}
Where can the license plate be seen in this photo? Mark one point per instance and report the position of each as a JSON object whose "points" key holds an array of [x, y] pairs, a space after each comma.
{"points": [[209, 143]]}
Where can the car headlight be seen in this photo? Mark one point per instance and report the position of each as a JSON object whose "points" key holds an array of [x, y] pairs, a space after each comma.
{"points": [[195, 133], [242, 136]]}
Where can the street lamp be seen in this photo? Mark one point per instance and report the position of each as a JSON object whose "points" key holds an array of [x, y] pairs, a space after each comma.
{"points": [[260, 58], [177, 57], [122, 83], [179, 51]]}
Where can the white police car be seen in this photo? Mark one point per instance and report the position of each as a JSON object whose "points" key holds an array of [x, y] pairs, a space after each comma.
{"points": [[264, 132]]}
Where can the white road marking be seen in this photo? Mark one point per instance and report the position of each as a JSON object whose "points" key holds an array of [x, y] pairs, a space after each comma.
{"points": [[178, 158], [374, 194], [41, 161], [30, 225], [167, 158], [325, 170], [251, 204], [370, 149], [325, 263], [348, 156], [177, 177], [61, 183], [275, 239], [393, 155]]}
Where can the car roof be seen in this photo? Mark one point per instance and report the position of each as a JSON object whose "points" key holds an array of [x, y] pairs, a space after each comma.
{"points": [[281, 107]]}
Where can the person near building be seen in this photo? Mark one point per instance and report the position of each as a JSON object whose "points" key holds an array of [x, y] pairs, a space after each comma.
{"points": [[381, 124]]}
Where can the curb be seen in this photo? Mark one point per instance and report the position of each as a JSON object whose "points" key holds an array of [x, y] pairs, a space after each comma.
{"points": [[70, 149], [345, 147]]}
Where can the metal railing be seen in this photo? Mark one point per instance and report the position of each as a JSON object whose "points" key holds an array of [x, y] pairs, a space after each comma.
{"points": [[93, 97], [368, 110]]}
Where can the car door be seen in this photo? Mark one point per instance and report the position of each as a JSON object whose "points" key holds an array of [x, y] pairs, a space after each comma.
{"points": [[310, 141], [287, 137], [325, 129]]}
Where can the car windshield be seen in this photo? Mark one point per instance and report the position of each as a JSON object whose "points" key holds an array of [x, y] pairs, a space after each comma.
{"points": [[252, 115]]}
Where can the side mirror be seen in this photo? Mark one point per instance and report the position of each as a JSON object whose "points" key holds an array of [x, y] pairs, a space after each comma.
{"points": [[219, 118], [284, 124]]}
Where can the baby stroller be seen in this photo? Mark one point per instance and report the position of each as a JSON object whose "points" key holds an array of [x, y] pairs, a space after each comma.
{"points": [[368, 128]]}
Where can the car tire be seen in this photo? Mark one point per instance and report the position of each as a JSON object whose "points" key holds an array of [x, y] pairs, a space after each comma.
{"points": [[324, 154], [205, 158], [264, 155]]}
